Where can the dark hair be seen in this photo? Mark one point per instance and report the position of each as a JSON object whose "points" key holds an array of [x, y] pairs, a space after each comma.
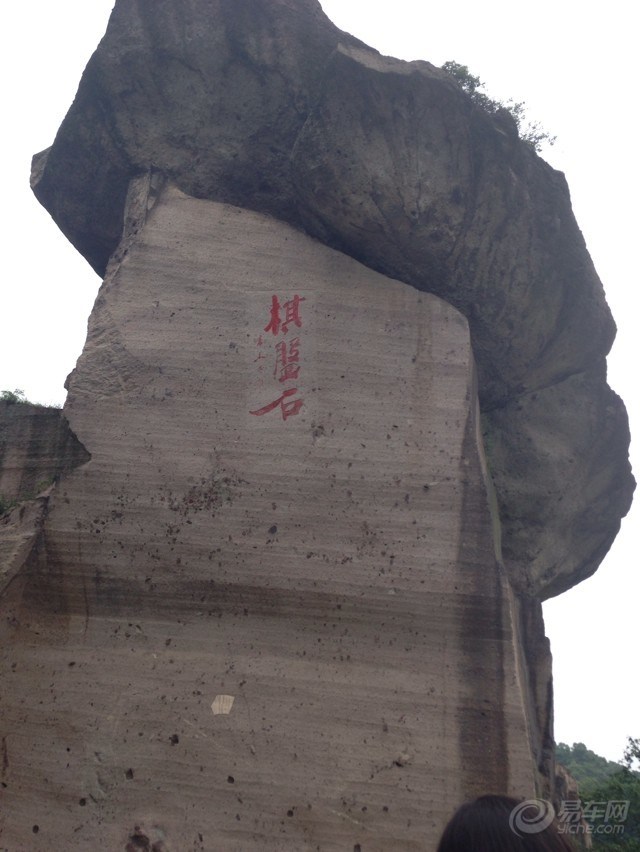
{"points": [[503, 824]]}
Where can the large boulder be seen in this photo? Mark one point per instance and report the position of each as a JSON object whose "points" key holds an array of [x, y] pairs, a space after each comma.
{"points": [[271, 581], [269, 612], [268, 106]]}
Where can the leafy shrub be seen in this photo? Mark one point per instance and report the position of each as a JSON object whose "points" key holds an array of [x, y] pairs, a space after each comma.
{"points": [[13, 396], [602, 781], [530, 132], [18, 396]]}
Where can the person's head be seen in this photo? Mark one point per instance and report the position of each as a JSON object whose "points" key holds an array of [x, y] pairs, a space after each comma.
{"points": [[502, 824]]}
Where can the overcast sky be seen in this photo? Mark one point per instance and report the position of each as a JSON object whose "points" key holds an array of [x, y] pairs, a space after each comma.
{"points": [[573, 68]]}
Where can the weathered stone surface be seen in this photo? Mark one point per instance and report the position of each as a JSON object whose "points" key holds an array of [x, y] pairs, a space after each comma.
{"points": [[36, 446], [20, 536], [333, 572], [266, 105], [398, 168], [568, 438], [270, 107], [568, 790], [211, 92]]}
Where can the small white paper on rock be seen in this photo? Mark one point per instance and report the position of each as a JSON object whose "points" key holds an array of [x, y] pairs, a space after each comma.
{"points": [[222, 705]]}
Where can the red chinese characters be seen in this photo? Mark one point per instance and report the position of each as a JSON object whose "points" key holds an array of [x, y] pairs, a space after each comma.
{"points": [[286, 362], [288, 407], [291, 315]]}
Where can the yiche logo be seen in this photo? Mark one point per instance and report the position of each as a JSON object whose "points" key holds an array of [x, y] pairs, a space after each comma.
{"points": [[531, 817]]}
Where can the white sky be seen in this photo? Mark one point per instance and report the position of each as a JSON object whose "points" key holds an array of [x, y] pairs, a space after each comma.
{"points": [[574, 66]]}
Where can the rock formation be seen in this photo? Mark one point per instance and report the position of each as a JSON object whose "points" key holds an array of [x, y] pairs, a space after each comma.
{"points": [[280, 603], [36, 448]]}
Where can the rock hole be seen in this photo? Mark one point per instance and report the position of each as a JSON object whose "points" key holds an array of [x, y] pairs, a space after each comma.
{"points": [[138, 840]]}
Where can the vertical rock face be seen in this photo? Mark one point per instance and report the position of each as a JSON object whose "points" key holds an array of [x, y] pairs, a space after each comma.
{"points": [[275, 602], [327, 562]]}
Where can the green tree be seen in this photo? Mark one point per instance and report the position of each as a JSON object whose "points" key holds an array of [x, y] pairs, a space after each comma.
{"points": [[13, 396], [601, 781], [624, 786], [587, 767], [631, 757]]}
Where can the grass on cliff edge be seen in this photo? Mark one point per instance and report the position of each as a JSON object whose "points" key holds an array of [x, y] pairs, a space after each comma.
{"points": [[530, 132], [17, 396]]}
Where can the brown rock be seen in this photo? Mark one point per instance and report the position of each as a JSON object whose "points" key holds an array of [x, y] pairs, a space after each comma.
{"points": [[20, 538], [330, 567], [36, 446], [270, 107], [566, 438], [403, 172]]}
